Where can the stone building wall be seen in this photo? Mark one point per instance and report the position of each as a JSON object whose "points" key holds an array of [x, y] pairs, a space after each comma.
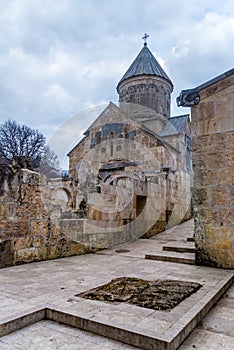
{"points": [[213, 159], [131, 163], [153, 92]]}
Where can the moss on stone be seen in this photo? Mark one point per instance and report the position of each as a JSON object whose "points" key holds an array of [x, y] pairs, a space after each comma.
{"points": [[157, 295]]}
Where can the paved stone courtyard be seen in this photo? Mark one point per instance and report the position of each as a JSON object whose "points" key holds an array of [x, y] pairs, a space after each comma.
{"points": [[49, 335], [52, 286]]}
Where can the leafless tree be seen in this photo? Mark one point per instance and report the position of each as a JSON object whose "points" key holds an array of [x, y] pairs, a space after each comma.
{"points": [[49, 165], [21, 144], [24, 147]]}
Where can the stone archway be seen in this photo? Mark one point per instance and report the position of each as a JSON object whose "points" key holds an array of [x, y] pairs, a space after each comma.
{"points": [[63, 197]]}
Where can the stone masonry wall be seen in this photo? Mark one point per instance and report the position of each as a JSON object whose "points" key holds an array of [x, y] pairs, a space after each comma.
{"points": [[41, 220], [150, 91], [30, 225], [213, 158], [112, 146]]}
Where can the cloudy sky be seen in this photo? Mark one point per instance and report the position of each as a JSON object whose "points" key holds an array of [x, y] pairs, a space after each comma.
{"points": [[61, 59]]}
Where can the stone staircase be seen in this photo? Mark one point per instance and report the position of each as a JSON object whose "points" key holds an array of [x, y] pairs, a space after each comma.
{"points": [[178, 249]]}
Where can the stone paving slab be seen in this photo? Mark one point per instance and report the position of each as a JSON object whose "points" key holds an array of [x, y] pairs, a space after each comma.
{"points": [[50, 335], [204, 340], [216, 331], [52, 285]]}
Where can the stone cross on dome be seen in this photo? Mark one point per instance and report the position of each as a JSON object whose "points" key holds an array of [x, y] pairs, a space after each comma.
{"points": [[145, 36]]}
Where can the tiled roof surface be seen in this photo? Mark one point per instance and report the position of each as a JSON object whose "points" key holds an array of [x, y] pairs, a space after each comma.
{"points": [[145, 64], [179, 122], [174, 125]]}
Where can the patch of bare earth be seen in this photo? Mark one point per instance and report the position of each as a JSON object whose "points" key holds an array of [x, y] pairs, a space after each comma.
{"points": [[157, 295]]}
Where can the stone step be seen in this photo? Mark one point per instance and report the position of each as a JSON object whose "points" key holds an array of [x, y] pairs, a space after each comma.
{"points": [[172, 258], [179, 249]]}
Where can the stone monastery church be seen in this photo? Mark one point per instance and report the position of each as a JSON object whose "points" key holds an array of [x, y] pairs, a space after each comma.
{"points": [[131, 176], [132, 169]]}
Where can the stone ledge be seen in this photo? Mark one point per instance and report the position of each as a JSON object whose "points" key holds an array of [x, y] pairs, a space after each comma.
{"points": [[170, 258], [179, 249], [16, 322], [170, 339], [110, 330]]}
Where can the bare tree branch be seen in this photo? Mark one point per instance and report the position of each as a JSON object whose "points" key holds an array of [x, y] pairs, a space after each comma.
{"points": [[21, 143]]}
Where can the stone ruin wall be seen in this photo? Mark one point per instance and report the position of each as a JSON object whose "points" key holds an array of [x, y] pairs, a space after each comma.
{"points": [[213, 159], [30, 222], [39, 220]]}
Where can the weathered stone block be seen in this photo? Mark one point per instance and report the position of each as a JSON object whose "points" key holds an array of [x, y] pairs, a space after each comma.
{"points": [[95, 214], [226, 176], [205, 111], [39, 241], [6, 253], [41, 253], [54, 252], [22, 242], [200, 196], [26, 255], [40, 227], [210, 216], [205, 177], [227, 217], [218, 196], [76, 249], [231, 196]]}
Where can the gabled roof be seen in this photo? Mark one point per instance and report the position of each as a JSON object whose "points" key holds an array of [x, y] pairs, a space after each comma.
{"points": [[117, 116], [175, 125], [145, 64], [120, 116]]}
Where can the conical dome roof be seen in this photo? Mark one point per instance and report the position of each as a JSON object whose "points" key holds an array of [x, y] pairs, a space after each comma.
{"points": [[145, 64]]}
